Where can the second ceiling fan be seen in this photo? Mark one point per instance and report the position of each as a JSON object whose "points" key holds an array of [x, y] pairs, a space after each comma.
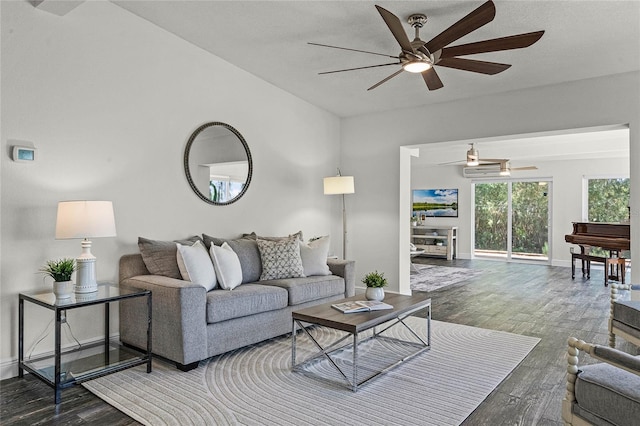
{"points": [[474, 160], [418, 56]]}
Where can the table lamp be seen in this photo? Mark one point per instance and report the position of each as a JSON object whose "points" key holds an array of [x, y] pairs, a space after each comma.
{"points": [[85, 219], [340, 185]]}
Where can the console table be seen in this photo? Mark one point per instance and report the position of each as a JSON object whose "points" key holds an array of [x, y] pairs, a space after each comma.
{"points": [[65, 368], [435, 240]]}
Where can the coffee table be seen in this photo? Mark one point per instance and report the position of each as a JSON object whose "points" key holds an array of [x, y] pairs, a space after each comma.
{"points": [[373, 323]]}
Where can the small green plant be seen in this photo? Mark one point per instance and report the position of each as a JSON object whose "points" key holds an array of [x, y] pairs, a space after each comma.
{"points": [[60, 270], [375, 279]]}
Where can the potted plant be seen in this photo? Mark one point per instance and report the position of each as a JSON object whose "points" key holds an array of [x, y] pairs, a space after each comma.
{"points": [[375, 281], [60, 270]]}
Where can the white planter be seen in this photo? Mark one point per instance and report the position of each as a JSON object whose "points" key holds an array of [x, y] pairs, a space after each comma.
{"points": [[63, 289], [374, 293]]}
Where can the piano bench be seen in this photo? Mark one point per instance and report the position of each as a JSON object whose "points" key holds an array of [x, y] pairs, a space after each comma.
{"points": [[614, 267]]}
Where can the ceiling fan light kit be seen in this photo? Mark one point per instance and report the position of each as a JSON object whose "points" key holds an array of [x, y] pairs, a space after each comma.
{"points": [[420, 57], [472, 156], [416, 66], [504, 169]]}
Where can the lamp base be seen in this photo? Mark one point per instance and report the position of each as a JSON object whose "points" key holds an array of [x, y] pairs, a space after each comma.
{"points": [[86, 276]]}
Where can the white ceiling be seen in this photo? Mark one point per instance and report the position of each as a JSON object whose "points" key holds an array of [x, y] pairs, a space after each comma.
{"points": [[583, 39]]}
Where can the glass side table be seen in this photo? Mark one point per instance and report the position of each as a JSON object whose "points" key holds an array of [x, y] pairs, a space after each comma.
{"points": [[63, 369]]}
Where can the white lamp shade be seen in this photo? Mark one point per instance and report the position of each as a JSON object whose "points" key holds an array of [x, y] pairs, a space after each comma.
{"points": [[339, 185], [85, 219]]}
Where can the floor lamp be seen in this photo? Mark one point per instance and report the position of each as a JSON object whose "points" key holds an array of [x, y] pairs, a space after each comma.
{"points": [[340, 185]]}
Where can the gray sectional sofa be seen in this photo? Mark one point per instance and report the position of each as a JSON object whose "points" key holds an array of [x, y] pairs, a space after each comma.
{"points": [[190, 324]]}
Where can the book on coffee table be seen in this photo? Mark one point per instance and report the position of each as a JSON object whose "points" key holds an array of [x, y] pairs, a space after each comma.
{"points": [[361, 306]]}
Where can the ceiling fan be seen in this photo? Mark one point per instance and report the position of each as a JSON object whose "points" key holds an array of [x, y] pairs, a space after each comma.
{"points": [[473, 160], [418, 56]]}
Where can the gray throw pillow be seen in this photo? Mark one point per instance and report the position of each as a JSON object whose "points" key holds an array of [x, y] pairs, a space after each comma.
{"points": [[254, 236], [248, 254], [280, 259], [160, 256]]}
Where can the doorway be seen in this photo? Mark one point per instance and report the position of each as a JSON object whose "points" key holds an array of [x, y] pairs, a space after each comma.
{"points": [[512, 219]]}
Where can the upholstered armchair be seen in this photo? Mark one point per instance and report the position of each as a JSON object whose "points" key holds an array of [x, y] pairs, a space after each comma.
{"points": [[607, 393], [624, 317]]}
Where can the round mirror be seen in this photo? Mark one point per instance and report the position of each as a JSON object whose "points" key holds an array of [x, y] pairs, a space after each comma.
{"points": [[218, 163]]}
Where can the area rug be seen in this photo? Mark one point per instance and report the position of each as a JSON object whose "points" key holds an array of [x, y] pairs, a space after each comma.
{"points": [[432, 277], [255, 386]]}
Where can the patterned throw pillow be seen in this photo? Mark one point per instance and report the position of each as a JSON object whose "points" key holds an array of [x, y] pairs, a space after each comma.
{"points": [[280, 259]]}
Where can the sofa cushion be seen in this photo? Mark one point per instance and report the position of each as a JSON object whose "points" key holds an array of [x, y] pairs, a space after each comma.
{"points": [[280, 259], [160, 256], [227, 266], [314, 256], [195, 265], [627, 312], [307, 289], [608, 393], [248, 299], [248, 254]]}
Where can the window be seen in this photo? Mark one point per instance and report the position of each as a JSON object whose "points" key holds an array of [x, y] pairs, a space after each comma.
{"points": [[607, 199]]}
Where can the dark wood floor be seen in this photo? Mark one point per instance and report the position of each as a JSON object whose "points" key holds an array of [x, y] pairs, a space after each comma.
{"points": [[533, 300]]}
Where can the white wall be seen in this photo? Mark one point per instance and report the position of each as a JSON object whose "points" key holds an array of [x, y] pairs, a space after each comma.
{"points": [[370, 149], [566, 201], [109, 100]]}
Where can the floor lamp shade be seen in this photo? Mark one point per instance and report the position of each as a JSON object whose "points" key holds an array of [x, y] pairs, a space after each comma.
{"points": [[84, 220], [335, 185]]}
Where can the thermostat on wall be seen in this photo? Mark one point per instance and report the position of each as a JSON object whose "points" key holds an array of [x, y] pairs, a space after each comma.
{"points": [[23, 153]]}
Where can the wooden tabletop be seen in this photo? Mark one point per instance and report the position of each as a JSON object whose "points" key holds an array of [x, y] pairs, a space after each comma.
{"points": [[357, 322]]}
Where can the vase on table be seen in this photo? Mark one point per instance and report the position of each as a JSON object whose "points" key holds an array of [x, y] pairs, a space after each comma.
{"points": [[374, 293]]}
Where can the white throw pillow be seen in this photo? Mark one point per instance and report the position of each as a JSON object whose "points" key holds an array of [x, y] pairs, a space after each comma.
{"points": [[227, 266], [195, 265], [314, 256]]}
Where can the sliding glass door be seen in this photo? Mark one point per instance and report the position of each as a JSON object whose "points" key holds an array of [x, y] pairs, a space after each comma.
{"points": [[512, 219], [491, 219]]}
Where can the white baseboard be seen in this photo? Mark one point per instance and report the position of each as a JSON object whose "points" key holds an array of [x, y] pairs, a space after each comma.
{"points": [[8, 369]]}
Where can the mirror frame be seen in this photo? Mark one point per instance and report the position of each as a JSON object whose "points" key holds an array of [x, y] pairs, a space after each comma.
{"points": [[187, 172]]}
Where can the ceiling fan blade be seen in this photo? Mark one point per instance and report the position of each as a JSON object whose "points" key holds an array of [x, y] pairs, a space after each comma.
{"points": [[386, 79], [394, 24], [524, 168], [473, 65], [353, 50], [492, 160], [518, 41], [359, 68], [474, 20], [431, 78], [451, 163]]}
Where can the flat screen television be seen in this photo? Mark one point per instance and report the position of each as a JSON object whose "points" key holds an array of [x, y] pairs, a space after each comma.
{"points": [[435, 203]]}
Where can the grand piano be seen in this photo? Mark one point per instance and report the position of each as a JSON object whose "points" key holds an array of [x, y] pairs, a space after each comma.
{"points": [[614, 238]]}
